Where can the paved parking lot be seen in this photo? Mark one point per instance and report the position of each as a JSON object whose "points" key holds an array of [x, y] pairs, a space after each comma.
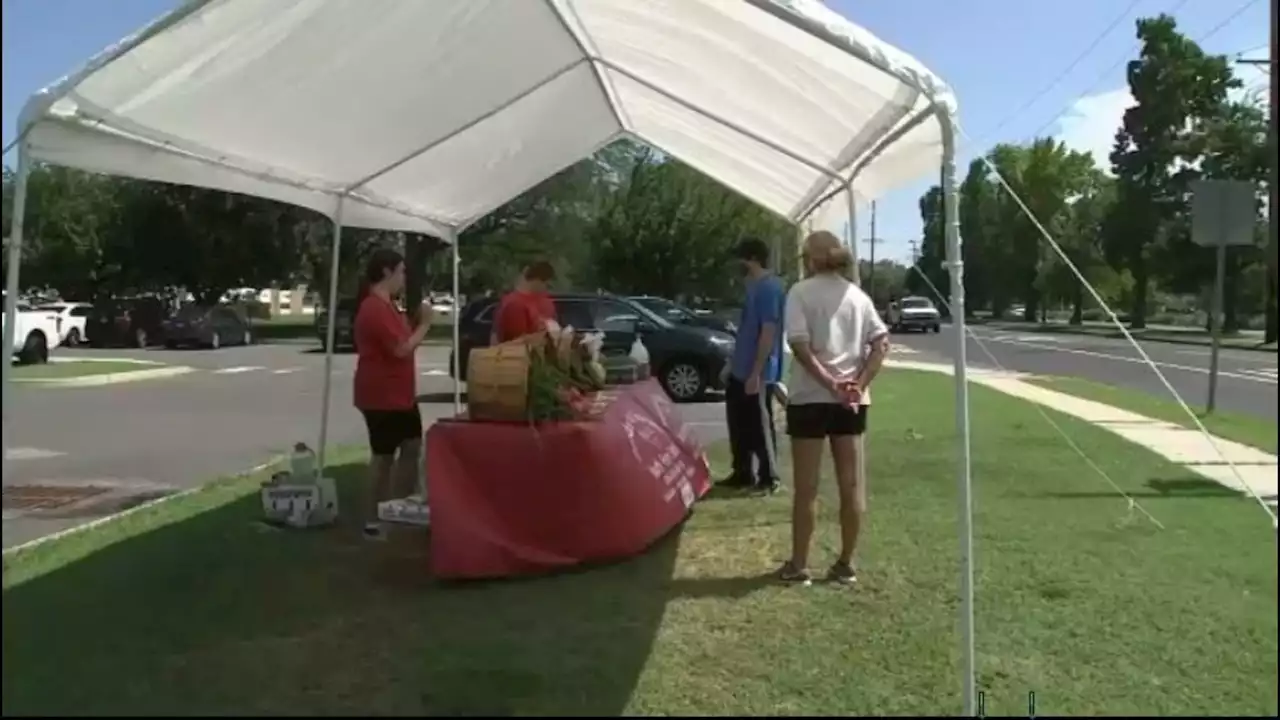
{"points": [[239, 407]]}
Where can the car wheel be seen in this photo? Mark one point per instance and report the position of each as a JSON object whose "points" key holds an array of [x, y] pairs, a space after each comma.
{"points": [[215, 340], [140, 338], [937, 329], [35, 349], [73, 337], [683, 380], [170, 344]]}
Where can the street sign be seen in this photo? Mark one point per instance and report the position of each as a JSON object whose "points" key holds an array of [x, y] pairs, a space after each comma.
{"points": [[1223, 212]]}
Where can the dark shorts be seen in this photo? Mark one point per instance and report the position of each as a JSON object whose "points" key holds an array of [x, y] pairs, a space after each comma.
{"points": [[821, 420], [388, 429]]}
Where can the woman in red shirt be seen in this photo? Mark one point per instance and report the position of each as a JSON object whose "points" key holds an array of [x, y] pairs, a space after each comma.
{"points": [[385, 382]]}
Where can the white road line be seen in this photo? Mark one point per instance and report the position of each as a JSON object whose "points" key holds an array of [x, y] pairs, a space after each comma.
{"points": [[30, 453], [237, 370], [1138, 361], [285, 371]]}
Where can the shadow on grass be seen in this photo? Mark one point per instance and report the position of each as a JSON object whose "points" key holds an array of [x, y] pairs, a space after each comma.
{"points": [[1162, 488], [215, 614]]}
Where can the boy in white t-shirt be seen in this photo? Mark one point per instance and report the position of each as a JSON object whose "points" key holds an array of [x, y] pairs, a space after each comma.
{"points": [[839, 343]]}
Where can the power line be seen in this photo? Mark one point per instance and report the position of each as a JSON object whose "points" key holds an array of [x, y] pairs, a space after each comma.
{"points": [[1072, 66], [1106, 74]]}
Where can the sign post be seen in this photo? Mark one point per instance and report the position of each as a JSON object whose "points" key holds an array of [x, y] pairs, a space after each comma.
{"points": [[1223, 213]]}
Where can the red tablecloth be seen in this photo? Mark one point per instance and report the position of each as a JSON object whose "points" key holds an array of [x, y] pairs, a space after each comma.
{"points": [[516, 499]]}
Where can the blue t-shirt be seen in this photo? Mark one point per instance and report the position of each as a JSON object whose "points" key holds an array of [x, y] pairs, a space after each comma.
{"points": [[766, 301]]}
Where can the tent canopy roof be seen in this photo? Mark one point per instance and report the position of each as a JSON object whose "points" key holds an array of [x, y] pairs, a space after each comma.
{"points": [[425, 116]]}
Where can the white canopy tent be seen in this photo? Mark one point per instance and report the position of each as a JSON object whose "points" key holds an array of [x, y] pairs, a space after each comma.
{"points": [[425, 116]]}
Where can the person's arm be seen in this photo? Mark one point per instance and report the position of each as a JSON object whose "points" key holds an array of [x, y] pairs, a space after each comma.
{"points": [[769, 302], [386, 329], [876, 335], [798, 339]]}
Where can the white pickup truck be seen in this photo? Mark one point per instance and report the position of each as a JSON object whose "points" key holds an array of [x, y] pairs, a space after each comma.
{"points": [[913, 313], [37, 332]]}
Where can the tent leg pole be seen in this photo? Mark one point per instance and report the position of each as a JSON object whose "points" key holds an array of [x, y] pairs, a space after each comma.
{"points": [[955, 261], [14, 263], [329, 334], [452, 237]]}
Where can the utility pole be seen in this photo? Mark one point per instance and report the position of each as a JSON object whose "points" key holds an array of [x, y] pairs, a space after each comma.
{"points": [[915, 251], [1273, 179], [872, 241]]}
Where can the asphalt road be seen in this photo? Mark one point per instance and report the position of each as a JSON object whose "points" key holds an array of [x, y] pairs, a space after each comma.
{"points": [[1246, 381], [240, 407]]}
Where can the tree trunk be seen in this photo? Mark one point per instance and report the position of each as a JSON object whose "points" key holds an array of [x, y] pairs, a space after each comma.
{"points": [[1138, 315], [1231, 294], [1077, 304], [415, 273], [1272, 329]]}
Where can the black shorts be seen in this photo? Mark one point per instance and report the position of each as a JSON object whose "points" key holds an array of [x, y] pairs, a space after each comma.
{"points": [[820, 420], [388, 429]]}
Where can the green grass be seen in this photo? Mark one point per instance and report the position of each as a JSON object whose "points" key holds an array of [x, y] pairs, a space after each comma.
{"points": [[74, 369], [1245, 429], [1188, 336], [190, 608]]}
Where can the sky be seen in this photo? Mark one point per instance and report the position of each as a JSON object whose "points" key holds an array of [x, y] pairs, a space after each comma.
{"points": [[998, 56]]}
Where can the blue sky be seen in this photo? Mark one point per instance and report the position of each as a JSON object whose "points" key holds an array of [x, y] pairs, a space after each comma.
{"points": [[996, 54]]}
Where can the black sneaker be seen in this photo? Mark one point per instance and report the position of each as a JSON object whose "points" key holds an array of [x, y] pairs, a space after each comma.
{"points": [[789, 573], [768, 487], [842, 573], [736, 482], [374, 531]]}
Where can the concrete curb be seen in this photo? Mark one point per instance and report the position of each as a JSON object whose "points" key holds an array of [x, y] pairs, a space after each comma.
{"points": [[108, 378], [99, 522]]}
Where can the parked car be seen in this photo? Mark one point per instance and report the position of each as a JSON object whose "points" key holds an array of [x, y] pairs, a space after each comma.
{"points": [[686, 359], [72, 318], [914, 313], [343, 337], [36, 332], [128, 321], [210, 326], [680, 314]]}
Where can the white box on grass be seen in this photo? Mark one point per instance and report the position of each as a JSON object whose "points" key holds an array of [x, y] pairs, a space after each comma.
{"points": [[300, 504], [412, 510]]}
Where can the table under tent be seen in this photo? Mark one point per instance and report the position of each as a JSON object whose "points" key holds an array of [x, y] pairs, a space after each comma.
{"points": [[424, 117]]}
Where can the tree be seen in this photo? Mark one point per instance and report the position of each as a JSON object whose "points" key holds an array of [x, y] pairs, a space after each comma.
{"points": [[1175, 86], [930, 271], [668, 230]]}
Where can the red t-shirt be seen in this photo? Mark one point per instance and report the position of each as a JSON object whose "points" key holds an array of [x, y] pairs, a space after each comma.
{"points": [[383, 381], [521, 313]]}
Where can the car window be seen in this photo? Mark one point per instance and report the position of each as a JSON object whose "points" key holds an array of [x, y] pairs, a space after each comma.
{"points": [[916, 303], [485, 314], [614, 316], [190, 312], [81, 311], [575, 312]]}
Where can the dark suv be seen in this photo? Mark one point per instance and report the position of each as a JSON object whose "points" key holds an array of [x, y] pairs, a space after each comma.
{"points": [[129, 321], [687, 360]]}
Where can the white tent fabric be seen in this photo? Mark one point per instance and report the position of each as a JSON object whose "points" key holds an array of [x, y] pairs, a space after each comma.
{"points": [[425, 115], [432, 114]]}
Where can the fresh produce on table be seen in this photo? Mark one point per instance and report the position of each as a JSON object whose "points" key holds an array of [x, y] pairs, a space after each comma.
{"points": [[564, 369]]}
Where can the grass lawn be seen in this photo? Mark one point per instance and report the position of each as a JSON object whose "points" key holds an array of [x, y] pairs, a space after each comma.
{"points": [[73, 369], [1182, 336], [1252, 431], [190, 608]]}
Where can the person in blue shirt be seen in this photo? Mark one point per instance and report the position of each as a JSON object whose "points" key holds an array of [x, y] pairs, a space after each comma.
{"points": [[754, 371]]}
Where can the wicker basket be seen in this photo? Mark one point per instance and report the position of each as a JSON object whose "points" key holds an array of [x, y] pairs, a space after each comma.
{"points": [[498, 381]]}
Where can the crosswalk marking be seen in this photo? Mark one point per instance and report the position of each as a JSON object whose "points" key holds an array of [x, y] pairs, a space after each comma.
{"points": [[30, 453], [237, 370]]}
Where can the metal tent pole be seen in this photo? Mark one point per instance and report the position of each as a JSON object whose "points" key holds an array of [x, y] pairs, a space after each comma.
{"points": [[852, 237], [329, 334], [14, 260], [452, 237], [955, 261]]}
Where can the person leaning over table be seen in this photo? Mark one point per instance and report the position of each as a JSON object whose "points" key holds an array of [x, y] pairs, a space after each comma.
{"points": [[528, 308], [386, 382], [839, 343]]}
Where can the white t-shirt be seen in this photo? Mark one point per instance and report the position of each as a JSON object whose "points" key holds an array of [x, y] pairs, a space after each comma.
{"points": [[839, 321]]}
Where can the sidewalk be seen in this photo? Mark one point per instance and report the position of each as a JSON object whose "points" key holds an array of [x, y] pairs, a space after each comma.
{"points": [[1188, 448]]}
